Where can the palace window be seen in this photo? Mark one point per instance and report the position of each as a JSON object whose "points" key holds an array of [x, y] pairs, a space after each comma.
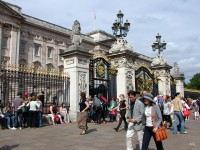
{"points": [[22, 47], [37, 50], [5, 42], [60, 57], [49, 52]]}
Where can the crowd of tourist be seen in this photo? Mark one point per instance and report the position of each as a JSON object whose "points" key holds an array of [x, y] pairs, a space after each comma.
{"points": [[26, 111], [142, 114], [147, 114]]}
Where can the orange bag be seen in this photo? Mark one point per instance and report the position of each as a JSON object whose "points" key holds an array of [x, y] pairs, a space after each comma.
{"points": [[161, 133]]}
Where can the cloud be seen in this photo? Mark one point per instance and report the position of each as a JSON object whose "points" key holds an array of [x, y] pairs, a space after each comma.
{"points": [[190, 66]]}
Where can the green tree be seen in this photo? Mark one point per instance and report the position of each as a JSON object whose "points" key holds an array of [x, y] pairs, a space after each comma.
{"points": [[194, 82]]}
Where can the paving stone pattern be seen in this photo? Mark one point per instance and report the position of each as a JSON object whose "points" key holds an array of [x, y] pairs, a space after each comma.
{"points": [[100, 137]]}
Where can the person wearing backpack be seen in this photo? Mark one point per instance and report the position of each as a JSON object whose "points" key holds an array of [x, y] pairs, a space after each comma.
{"points": [[97, 106]]}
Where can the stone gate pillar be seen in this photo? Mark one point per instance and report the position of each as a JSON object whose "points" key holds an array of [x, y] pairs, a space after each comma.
{"points": [[179, 77], [162, 73], [76, 64], [122, 58]]}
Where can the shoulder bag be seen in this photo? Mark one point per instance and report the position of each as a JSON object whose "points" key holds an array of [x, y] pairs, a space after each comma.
{"points": [[186, 113], [161, 133]]}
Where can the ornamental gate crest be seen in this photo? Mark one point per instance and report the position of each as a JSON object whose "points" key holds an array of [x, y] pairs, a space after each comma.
{"points": [[102, 77]]}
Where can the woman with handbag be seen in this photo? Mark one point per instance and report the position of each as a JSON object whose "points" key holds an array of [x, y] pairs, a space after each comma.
{"points": [[152, 119]]}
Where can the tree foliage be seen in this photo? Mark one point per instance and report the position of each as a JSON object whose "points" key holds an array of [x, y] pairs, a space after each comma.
{"points": [[194, 82]]}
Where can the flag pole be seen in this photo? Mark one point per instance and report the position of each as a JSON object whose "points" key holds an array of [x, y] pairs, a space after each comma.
{"points": [[94, 21]]}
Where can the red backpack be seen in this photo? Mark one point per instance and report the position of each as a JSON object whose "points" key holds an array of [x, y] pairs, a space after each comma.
{"points": [[57, 119]]}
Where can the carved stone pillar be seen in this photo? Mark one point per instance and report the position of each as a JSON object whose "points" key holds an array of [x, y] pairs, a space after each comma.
{"points": [[125, 80], [180, 86], [179, 77], [162, 73], [1, 25], [14, 45], [123, 61], [76, 64]]}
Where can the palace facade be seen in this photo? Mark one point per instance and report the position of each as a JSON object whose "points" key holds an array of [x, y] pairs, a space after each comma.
{"points": [[100, 64]]}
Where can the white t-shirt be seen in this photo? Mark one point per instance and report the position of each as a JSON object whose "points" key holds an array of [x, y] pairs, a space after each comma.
{"points": [[148, 111], [155, 100]]}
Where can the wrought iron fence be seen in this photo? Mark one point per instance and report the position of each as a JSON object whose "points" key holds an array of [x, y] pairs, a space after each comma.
{"points": [[14, 79]]}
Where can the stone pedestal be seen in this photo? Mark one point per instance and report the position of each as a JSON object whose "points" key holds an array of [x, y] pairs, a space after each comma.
{"points": [[162, 73], [76, 64]]}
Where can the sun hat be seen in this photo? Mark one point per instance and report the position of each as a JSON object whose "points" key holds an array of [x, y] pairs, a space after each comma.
{"points": [[148, 96]]}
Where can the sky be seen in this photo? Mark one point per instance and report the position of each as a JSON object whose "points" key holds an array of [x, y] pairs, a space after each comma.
{"points": [[175, 20]]}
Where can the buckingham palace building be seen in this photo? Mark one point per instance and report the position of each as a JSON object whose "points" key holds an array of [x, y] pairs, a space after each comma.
{"points": [[37, 55]]}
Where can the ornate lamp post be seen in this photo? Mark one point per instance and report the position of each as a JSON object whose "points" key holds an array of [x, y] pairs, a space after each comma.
{"points": [[158, 45], [119, 26]]}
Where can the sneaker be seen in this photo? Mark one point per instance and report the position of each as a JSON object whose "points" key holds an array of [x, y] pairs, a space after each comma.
{"points": [[115, 129], [13, 128], [185, 132], [20, 128], [82, 133]]}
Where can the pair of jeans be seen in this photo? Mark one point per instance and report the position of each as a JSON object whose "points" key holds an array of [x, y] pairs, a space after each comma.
{"points": [[18, 118], [148, 133], [33, 118], [178, 115], [39, 119], [98, 114], [8, 119]]}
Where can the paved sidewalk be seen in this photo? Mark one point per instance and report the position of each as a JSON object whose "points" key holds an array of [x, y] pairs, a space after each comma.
{"points": [[100, 137]]}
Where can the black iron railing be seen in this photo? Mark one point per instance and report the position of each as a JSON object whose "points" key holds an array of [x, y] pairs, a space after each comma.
{"points": [[55, 84]]}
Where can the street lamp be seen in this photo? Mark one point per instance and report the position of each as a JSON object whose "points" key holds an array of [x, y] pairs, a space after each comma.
{"points": [[158, 45], [119, 26]]}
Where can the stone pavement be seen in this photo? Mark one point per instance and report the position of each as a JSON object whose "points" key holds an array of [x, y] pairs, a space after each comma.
{"points": [[100, 137]]}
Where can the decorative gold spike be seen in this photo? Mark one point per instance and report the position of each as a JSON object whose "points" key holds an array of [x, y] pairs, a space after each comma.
{"points": [[113, 70]]}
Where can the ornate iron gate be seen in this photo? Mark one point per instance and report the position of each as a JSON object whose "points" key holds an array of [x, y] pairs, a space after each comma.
{"points": [[100, 78], [145, 81], [14, 79], [173, 86]]}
